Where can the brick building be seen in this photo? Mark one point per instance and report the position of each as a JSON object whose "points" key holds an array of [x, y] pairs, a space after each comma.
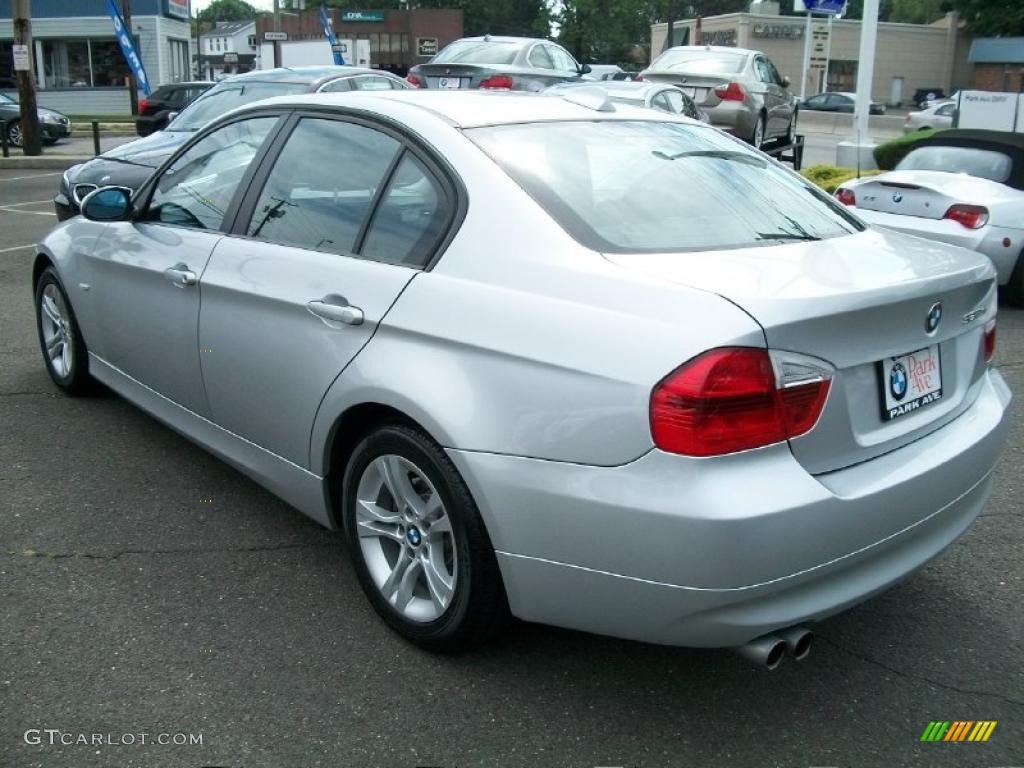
{"points": [[998, 64], [398, 39]]}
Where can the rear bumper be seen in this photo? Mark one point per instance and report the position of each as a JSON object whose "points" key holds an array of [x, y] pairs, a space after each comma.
{"points": [[716, 552], [734, 117], [987, 240]]}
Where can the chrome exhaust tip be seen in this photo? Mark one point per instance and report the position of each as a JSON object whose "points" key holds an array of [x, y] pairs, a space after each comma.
{"points": [[766, 651], [798, 641]]}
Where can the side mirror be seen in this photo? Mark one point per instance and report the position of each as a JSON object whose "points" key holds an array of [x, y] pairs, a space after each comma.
{"points": [[786, 81], [108, 204], [584, 69]]}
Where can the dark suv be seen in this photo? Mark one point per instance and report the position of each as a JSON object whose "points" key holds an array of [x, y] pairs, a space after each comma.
{"points": [[156, 109], [131, 164]]}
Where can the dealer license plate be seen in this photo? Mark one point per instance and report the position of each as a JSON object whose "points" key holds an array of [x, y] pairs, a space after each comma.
{"points": [[910, 382]]}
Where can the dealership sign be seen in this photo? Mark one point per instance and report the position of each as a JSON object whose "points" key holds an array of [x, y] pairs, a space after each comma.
{"points": [[362, 16], [830, 7], [178, 8], [426, 46], [128, 47]]}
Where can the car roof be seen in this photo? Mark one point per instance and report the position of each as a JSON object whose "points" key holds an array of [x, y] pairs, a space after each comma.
{"points": [[1011, 144], [472, 109], [306, 75], [501, 39], [187, 84]]}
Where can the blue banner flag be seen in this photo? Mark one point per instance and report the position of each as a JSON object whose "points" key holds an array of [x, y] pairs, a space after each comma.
{"points": [[329, 32], [832, 7], [124, 37]]}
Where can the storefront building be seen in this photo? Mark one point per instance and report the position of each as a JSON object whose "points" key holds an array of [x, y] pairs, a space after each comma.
{"points": [[78, 64], [227, 49], [398, 39], [908, 56]]}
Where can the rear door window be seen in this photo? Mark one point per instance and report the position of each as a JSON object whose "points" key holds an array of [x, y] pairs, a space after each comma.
{"points": [[322, 186], [540, 58]]}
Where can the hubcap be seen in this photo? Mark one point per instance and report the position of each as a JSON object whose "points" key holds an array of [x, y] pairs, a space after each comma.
{"points": [[14, 135], [759, 134], [406, 538], [57, 337]]}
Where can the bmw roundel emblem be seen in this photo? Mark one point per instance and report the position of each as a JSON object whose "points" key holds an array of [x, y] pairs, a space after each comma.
{"points": [[934, 317], [897, 197], [898, 381]]}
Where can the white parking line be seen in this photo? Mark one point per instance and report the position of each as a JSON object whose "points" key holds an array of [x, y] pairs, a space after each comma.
{"points": [[16, 248], [9, 209], [30, 202], [33, 176]]}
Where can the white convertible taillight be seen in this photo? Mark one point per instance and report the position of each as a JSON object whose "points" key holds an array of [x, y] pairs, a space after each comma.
{"points": [[736, 398], [970, 216]]}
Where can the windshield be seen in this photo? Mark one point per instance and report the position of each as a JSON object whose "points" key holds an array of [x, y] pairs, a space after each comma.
{"points": [[699, 60], [983, 163], [477, 52], [634, 186], [225, 97]]}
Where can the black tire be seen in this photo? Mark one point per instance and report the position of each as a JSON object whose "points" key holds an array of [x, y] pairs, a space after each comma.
{"points": [[14, 136], [478, 608], [1014, 290], [76, 380]]}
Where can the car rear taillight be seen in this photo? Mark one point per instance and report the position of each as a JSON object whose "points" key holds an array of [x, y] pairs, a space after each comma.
{"points": [[731, 92], [143, 106], [734, 398], [970, 216], [989, 341], [497, 83], [846, 196], [414, 81]]}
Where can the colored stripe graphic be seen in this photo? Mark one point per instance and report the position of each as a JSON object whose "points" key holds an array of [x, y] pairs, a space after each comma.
{"points": [[958, 730]]}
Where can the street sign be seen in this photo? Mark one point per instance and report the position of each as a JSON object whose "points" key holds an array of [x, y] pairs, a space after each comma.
{"points": [[21, 62], [426, 46], [830, 7], [339, 48], [272, 36]]}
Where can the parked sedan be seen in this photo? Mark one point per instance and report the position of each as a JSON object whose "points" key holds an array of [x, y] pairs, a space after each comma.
{"points": [[741, 90], [839, 102], [666, 98], [498, 64], [163, 104], [964, 187], [131, 164], [934, 118], [609, 369], [53, 125]]}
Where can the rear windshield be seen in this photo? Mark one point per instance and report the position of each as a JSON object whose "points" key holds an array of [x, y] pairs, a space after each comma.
{"points": [[636, 186], [226, 96], [701, 61], [983, 163], [477, 52]]}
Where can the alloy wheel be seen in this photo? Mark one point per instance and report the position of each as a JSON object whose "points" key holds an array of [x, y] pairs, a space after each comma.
{"points": [[14, 136], [759, 133], [57, 336], [406, 538]]}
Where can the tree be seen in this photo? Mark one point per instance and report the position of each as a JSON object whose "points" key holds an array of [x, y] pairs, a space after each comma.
{"points": [[990, 18], [227, 10], [610, 31]]}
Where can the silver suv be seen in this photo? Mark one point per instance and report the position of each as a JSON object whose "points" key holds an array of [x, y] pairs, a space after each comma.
{"points": [[742, 91]]}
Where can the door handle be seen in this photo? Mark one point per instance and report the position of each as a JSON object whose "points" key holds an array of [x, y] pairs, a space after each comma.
{"points": [[328, 308], [181, 275]]}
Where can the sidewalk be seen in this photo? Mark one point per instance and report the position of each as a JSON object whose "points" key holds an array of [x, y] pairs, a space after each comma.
{"points": [[64, 153]]}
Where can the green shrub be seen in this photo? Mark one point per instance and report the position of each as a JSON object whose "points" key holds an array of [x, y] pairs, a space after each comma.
{"points": [[828, 177], [888, 155]]}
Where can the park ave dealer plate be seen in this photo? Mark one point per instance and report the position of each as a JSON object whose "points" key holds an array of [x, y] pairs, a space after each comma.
{"points": [[910, 382]]}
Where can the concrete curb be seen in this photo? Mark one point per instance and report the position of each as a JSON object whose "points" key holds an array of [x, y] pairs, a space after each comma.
{"points": [[41, 162]]}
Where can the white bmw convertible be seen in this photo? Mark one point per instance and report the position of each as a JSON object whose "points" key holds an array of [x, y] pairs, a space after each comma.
{"points": [[964, 187]]}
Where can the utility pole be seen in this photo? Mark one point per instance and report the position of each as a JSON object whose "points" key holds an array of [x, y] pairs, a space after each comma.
{"points": [[133, 86], [31, 138], [277, 28], [670, 36]]}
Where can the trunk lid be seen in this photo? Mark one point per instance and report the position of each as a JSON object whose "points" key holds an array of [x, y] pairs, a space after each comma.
{"points": [[853, 302], [700, 88], [926, 194]]}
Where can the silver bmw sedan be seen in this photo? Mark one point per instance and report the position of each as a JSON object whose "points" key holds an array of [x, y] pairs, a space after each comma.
{"points": [[582, 364]]}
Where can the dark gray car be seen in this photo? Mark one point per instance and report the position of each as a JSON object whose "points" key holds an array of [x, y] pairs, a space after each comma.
{"points": [[498, 63], [52, 124], [131, 164]]}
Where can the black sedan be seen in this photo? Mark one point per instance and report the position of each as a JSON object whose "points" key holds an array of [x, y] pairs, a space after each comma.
{"points": [[163, 104], [131, 164], [53, 124], [839, 102]]}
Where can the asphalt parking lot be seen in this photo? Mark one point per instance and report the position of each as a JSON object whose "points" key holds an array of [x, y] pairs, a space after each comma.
{"points": [[147, 587]]}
